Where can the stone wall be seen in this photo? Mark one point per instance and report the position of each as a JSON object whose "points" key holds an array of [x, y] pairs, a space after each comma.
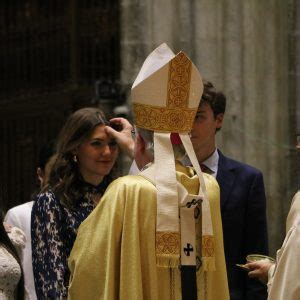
{"points": [[294, 95], [244, 48]]}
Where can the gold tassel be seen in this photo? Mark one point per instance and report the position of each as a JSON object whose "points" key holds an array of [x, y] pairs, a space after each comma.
{"points": [[167, 261], [208, 264]]}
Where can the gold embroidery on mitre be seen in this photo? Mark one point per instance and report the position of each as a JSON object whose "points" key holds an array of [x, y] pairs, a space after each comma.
{"points": [[163, 118], [179, 81], [208, 249], [167, 243], [175, 116]]}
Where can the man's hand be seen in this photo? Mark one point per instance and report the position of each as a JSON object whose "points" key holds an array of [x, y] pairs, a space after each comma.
{"points": [[122, 137], [259, 270]]}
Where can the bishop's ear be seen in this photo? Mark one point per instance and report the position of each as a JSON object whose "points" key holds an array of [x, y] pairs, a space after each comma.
{"points": [[140, 143]]}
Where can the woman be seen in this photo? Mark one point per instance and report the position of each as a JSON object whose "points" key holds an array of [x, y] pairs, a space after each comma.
{"points": [[11, 277], [20, 216], [82, 171]]}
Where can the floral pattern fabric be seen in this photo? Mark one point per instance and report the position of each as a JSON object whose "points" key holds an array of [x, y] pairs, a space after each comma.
{"points": [[53, 232]]}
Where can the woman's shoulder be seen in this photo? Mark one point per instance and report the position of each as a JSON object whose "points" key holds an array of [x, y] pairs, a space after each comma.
{"points": [[46, 198], [45, 206], [48, 193]]}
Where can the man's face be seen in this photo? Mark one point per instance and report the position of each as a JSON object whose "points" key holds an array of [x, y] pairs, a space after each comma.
{"points": [[204, 128], [138, 148]]}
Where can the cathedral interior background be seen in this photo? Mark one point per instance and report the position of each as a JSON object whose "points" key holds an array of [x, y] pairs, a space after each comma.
{"points": [[57, 56], [51, 54]]}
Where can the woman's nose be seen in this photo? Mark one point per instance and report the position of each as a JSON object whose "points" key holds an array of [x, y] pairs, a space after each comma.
{"points": [[106, 150], [109, 150]]}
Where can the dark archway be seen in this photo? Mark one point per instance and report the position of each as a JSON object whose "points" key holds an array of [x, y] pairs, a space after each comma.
{"points": [[51, 53]]}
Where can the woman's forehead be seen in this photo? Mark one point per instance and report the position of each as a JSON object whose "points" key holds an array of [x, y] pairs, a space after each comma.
{"points": [[99, 132]]}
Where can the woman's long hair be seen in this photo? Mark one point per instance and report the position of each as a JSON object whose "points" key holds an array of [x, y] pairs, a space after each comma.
{"points": [[6, 242], [65, 178]]}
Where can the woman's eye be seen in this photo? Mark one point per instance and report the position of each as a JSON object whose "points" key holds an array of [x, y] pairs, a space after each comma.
{"points": [[100, 144], [113, 144], [97, 144]]}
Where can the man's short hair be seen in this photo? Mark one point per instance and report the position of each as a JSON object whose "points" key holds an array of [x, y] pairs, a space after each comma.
{"points": [[215, 99]]}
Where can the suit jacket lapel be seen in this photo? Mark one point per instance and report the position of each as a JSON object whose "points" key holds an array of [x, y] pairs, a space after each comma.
{"points": [[225, 178]]}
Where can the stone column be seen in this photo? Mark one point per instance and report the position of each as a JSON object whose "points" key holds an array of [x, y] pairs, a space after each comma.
{"points": [[243, 48], [293, 156]]}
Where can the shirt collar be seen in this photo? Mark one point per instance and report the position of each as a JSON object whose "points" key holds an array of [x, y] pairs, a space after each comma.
{"points": [[212, 162]]}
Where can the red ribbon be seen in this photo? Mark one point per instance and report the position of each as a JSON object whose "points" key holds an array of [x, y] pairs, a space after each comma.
{"points": [[175, 138]]}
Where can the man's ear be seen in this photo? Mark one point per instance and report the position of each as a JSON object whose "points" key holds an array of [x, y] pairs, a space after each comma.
{"points": [[140, 143], [219, 120]]}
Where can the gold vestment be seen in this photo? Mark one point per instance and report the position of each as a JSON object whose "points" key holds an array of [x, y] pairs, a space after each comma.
{"points": [[114, 254]]}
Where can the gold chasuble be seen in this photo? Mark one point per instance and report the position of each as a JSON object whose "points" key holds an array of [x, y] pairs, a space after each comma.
{"points": [[114, 255]]}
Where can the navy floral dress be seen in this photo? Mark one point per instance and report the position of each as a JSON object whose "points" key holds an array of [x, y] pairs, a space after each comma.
{"points": [[53, 232]]}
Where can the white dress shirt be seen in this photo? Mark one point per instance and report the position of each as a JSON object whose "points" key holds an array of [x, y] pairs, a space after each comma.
{"points": [[211, 162]]}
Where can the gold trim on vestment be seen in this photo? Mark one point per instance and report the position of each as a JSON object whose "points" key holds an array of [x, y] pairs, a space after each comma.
{"points": [[163, 119], [208, 246], [175, 116], [180, 69], [167, 243]]}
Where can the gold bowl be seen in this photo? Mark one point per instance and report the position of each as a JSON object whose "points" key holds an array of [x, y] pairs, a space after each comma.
{"points": [[258, 257]]}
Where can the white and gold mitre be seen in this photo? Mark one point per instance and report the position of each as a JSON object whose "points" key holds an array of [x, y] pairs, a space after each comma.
{"points": [[165, 98], [167, 92]]}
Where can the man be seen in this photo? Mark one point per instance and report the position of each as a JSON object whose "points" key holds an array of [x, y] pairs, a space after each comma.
{"points": [[134, 245], [243, 201], [20, 216]]}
